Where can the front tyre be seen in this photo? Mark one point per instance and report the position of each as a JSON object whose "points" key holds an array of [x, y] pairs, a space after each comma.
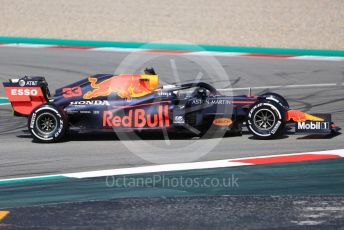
{"points": [[276, 97], [47, 124], [266, 119]]}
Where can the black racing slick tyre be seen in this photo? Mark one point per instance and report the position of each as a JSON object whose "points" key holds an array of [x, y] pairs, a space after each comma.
{"points": [[47, 124], [277, 98], [266, 119]]}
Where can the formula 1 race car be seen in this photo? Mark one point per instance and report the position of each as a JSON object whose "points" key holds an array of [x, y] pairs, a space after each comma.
{"points": [[135, 102]]}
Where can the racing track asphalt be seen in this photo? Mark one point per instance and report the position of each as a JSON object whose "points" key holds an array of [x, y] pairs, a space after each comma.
{"points": [[21, 157]]}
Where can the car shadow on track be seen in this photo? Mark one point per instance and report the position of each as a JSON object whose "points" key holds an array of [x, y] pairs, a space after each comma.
{"points": [[110, 136], [121, 137], [319, 136], [99, 136], [136, 136], [277, 138]]}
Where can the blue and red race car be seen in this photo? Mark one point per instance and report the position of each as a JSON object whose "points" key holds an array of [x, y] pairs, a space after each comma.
{"points": [[136, 102]]}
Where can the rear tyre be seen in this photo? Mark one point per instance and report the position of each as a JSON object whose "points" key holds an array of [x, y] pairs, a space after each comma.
{"points": [[47, 124], [266, 119]]}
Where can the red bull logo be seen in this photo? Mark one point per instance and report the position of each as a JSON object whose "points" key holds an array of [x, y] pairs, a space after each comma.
{"points": [[124, 85], [138, 118], [298, 116]]}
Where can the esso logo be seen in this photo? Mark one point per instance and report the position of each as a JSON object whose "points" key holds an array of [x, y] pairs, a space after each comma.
{"points": [[24, 92]]}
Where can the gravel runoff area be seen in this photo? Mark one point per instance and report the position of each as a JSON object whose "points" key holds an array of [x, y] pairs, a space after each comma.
{"points": [[267, 23]]}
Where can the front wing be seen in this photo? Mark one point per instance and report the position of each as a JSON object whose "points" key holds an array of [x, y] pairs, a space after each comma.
{"points": [[304, 123]]}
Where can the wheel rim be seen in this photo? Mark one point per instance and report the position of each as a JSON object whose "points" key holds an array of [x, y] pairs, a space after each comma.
{"points": [[46, 123], [264, 119]]}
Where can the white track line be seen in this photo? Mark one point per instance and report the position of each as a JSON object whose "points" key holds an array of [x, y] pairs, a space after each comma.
{"points": [[185, 166], [170, 167], [156, 168], [317, 58], [23, 45]]}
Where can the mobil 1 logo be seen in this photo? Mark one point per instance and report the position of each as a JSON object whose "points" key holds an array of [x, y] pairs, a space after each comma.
{"points": [[315, 126]]}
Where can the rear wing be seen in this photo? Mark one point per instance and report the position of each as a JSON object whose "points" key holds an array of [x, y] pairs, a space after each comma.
{"points": [[26, 93]]}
